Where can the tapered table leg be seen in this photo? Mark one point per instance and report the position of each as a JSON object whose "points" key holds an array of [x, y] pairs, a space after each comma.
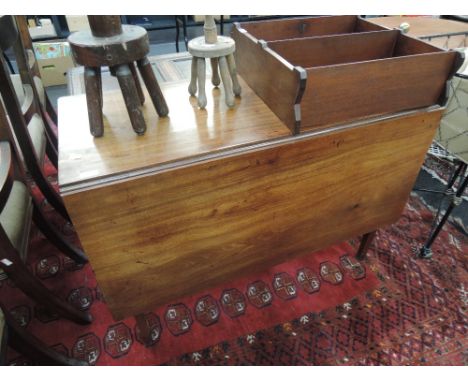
{"points": [[201, 75], [93, 97], [132, 101], [366, 241], [227, 82], [137, 83], [215, 80], [152, 85], [192, 88], [233, 71]]}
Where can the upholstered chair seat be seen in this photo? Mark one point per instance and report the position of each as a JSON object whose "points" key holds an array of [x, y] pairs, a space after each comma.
{"points": [[15, 219]]}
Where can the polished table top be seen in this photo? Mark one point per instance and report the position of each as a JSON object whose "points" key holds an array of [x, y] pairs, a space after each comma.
{"points": [[187, 134], [426, 26]]}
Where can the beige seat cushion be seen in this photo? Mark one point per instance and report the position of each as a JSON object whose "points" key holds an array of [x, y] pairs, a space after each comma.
{"points": [[16, 218], [18, 86], [40, 90], [453, 131], [37, 133]]}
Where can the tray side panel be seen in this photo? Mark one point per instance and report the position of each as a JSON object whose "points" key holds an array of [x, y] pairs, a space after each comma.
{"points": [[337, 94], [408, 45], [273, 79], [270, 30], [157, 238], [363, 25], [337, 49]]}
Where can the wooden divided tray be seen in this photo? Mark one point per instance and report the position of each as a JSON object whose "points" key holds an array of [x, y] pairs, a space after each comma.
{"points": [[321, 71]]}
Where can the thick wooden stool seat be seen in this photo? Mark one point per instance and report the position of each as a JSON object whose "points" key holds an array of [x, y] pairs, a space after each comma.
{"points": [[109, 43], [131, 45]]}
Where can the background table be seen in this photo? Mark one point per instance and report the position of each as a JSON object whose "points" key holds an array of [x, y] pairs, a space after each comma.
{"points": [[439, 32]]}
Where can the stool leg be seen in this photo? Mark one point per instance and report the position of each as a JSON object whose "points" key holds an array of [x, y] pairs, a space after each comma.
{"points": [[99, 80], [152, 85], [215, 80], [137, 83], [192, 88], [201, 82], [233, 71], [93, 97], [227, 82], [132, 101]]}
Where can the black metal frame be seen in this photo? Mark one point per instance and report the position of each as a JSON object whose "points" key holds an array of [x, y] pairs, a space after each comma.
{"points": [[455, 200]]}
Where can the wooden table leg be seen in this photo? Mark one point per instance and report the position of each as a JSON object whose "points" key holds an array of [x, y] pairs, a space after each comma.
{"points": [[192, 88], [93, 96], [201, 75], [137, 82], [366, 241], [227, 82], [233, 71], [152, 85], [130, 95], [215, 80]]}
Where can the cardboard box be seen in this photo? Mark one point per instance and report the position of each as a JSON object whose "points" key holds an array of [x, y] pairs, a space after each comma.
{"points": [[77, 22], [45, 30], [54, 60]]}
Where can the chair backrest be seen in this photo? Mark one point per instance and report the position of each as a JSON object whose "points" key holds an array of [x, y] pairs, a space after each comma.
{"points": [[453, 131]]}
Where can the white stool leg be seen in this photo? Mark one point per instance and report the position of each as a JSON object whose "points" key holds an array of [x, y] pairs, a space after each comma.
{"points": [[201, 74], [192, 88], [215, 80], [233, 71], [227, 82]]}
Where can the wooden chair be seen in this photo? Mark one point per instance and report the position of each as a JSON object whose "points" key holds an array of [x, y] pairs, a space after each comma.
{"points": [[29, 70], [17, 209], [27, 114], [12, 334]]}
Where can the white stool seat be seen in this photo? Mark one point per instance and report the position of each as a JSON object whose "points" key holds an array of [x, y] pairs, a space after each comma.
{"points": [[224, 46]]}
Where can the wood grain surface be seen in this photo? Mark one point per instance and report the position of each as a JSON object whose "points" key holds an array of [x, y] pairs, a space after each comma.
{"points": [[270, 30], [338, 49], [274, 79], [176, 231], [186, 132], [423, 27], [341, 93]]}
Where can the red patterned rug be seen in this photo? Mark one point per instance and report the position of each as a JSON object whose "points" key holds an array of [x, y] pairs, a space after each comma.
{"points": [[323, 309]]}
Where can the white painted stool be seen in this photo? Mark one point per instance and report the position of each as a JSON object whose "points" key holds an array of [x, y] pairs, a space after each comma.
{"points": [[220, 51]]}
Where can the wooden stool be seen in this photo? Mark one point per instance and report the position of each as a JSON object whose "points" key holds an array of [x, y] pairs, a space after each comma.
{"points": [[220, 51], [109, 43]]}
